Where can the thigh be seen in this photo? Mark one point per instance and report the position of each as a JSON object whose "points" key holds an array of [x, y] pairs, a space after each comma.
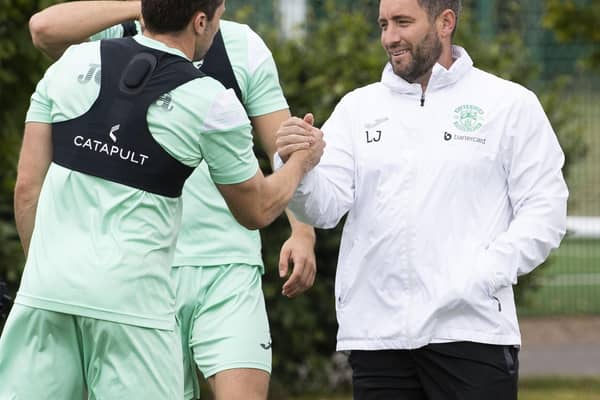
{"points": [[191, 290], [385, 375], [126, 362], [40, 356], [469, 371], [232, 329]]}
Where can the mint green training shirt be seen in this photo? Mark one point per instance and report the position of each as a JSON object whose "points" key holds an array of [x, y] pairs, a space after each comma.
{"points": [[219, 239], [104, 250]]}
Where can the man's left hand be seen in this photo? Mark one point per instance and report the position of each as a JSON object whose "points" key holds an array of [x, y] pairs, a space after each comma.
{"points": [[298, 251]]}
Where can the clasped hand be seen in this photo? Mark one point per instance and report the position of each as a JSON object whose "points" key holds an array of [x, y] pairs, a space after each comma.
{"points": [[298, 137]]}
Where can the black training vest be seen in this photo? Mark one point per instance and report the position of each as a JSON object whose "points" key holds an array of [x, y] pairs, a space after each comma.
{"points": [[216, 62], [112, 140]]}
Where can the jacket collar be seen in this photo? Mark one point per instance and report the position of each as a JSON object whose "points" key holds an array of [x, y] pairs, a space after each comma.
{"points": [[440, 76]]}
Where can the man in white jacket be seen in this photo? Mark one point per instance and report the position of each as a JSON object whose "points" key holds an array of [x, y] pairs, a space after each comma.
{"points": [[451, 181]]}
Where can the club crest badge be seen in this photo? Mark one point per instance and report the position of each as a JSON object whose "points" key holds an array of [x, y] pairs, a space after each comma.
{"points": [[468, 118]]}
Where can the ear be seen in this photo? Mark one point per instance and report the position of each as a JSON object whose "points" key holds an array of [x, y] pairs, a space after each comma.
{"points": [[199, 22], [446, 22]]}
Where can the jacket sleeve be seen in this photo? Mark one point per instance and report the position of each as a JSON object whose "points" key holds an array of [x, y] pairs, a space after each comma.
{"points": [[326, 193], [537, 192]]}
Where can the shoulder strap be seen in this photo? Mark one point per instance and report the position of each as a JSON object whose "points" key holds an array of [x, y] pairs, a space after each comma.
{"points": [[216, 62], [129, 28]]}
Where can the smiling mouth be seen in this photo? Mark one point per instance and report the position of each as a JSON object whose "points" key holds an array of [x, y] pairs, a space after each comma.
{"points": [[398, 53]]}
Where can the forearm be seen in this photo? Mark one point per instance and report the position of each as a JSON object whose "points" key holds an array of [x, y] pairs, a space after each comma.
{"points": [[25, 203], [299, 228], [265, 127], [256, 202], [57, 27], [277, 191]]}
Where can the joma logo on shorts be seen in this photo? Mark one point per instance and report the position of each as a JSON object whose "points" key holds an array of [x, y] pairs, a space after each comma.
{"points": [[266, 346]]}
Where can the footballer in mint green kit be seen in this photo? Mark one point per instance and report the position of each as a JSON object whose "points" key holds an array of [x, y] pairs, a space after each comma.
{"points": [[95, 311], [218, 263]]}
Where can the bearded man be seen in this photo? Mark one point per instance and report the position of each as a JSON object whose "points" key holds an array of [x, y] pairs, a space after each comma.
{"points": [[451, 181]]}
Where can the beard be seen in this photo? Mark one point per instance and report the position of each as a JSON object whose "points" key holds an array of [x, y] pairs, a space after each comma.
{"points": [[424, 56]]}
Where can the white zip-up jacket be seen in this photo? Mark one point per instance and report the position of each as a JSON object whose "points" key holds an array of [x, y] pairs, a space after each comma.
{"points": [[450, 195]]}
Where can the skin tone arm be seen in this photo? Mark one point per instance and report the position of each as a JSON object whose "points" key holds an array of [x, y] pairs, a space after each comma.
{"points": [[299, 248], [258, 201], [59, 26], [34, 160]]}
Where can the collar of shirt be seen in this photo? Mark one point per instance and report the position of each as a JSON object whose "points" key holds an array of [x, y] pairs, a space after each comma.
{"points": [[158, 45], [440, 76]]}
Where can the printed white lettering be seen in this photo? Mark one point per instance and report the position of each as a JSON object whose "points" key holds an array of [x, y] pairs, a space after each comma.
{"points": [[110, 150], [144, 158]]}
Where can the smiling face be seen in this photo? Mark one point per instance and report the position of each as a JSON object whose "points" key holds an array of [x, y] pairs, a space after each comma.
{"points": [[410, 39]]}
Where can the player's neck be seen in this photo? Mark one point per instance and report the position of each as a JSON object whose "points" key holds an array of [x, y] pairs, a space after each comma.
{"points": [[181, 41]]}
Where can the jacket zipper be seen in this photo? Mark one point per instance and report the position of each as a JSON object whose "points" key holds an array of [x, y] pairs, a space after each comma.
{"points": [[423, 99], [499, 304]]}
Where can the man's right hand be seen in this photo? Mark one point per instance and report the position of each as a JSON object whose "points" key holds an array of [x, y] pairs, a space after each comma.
{"points": [[300, 136]]}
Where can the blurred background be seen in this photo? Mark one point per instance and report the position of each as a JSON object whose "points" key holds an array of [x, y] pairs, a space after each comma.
{"points": [[324, 49]]}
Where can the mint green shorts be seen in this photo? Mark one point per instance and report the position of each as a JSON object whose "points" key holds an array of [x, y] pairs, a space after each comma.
{"points": [[45, 355], [223, 321]]}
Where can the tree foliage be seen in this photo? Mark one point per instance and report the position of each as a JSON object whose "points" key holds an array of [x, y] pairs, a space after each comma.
{"points": [[21, 66], [576, 21]]}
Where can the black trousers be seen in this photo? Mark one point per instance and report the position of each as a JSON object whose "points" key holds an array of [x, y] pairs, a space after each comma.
{"points": [[445, 371]]}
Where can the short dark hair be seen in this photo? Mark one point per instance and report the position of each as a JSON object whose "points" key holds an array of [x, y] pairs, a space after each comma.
{"points": [[436, 7], [169, 16]]}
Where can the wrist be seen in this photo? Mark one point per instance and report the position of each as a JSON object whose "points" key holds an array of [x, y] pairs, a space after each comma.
{"points": [[304, 231], [300, 160]]}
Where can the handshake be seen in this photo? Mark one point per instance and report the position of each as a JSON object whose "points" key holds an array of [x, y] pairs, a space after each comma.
{"points": [[298, 138]]}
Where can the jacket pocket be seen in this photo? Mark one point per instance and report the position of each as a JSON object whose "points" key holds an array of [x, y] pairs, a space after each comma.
{"points": [[511, 357]]}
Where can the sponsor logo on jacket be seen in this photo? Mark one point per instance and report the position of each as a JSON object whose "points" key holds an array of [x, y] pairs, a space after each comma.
{"points": [[449, 136]]}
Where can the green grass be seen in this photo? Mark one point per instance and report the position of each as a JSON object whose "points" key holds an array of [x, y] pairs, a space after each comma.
{"points": [[530, 389], [570, 283], [560, 389]]}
